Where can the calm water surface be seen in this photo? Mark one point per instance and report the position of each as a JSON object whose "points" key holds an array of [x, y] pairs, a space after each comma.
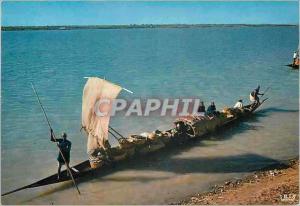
{"points": [[220, 64]]}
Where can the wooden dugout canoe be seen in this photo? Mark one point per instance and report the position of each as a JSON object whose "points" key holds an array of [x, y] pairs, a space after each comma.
{"points": [[194, 129]]}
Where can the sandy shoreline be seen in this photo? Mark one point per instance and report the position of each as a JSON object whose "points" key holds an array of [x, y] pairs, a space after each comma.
{"points": [[278, 184]]}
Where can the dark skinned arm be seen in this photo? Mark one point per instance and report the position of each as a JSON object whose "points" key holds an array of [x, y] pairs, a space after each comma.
{"points": [[52, 136]]}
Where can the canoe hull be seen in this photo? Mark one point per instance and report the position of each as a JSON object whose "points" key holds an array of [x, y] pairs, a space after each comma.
{"points": [[294, 66]]}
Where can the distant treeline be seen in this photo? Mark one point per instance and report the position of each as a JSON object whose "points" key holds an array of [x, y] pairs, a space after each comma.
{"points": [[132, 26]]}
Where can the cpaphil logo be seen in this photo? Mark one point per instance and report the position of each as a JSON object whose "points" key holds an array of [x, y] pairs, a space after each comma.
{"points": [[147, 107]]}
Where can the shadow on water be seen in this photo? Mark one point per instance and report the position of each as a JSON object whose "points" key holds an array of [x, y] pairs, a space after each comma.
{"points": [[274, 110], [167, 163], [227, 164]]}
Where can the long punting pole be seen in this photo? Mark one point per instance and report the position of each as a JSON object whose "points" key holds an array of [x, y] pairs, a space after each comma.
{"points": [[46, 117], [266, 91]]}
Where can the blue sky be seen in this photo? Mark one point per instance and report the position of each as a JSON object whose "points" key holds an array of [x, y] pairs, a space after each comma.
{"points": [[133, 12]]}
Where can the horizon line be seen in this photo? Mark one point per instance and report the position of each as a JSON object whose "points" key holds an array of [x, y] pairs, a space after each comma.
{"points": [[148, 24], [136, 26]]}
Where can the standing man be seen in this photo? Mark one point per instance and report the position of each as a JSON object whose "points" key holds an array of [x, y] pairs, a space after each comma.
{"points": [[254, 95], [65, 148], [295, 55]]}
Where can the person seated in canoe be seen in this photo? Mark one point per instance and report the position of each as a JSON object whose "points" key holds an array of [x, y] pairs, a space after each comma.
{"points": [[239, 104], [65, 148], [201, 109], [254, 99], [211, 110]]}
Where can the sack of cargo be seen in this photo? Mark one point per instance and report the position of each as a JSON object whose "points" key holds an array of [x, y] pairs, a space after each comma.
{"points": [[157, 134], [98, 164], [137, 139], [165, 137], [184, 127], [125, 144], [228, 112]]}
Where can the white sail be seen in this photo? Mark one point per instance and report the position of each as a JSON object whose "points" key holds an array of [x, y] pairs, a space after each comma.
{"points": [[95, 125]]}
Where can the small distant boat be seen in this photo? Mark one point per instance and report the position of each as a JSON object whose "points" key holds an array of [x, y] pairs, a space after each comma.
{"points": [[186, 128]]}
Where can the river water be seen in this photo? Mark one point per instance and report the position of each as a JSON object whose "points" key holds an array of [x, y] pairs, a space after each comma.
{"points": [[217, 63]]}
